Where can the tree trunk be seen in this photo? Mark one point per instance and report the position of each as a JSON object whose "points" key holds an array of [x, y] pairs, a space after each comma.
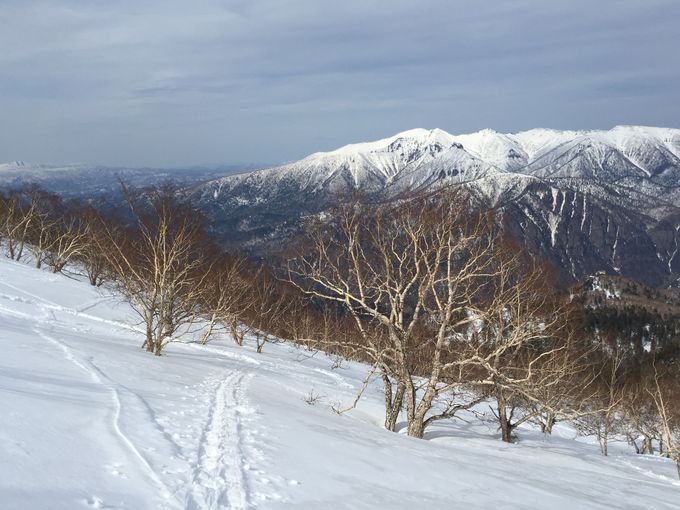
{"points": [[506, 428], [549, 423], [260, 341], [94, 274], [503, 420], [148, 343], [208, 332], [59, 267], [416, 426], [393, 404], [233, 328], [604, 443], [605, 436], [390, 419]]}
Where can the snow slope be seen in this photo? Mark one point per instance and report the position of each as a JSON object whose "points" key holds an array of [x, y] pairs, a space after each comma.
{"points": [[91, 421]]}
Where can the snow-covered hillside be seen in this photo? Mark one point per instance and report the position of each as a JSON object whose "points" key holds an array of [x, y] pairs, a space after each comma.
{"points": [[89, 420]]}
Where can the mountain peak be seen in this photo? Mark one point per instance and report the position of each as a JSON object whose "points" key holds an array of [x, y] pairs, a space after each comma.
{"points": [[418, 136], [14, 164], [497, 146]]}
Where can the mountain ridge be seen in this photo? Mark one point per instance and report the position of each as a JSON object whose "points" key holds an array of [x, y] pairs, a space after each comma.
{"points": [[586, 200]]}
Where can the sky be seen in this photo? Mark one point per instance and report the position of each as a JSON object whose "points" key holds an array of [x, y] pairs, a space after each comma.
{"points": [[170, 83]]}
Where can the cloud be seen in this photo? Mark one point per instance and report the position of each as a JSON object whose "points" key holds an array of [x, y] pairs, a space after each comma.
{"points": [[174, 82]]}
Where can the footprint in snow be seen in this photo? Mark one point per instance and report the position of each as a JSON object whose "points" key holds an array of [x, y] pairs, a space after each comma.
{"points": [[96, 502], [115, 470]]}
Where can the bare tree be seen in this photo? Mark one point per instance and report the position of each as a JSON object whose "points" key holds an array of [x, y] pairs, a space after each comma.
{"points": [[20, 209], [565, 383], [664, 390], [92, 254], [225, 296], [416, 277], [44, 228], [606, 418], [520, 349], [641, 425], [159, 262], [68, 238], [268, 305], [37, 220]]}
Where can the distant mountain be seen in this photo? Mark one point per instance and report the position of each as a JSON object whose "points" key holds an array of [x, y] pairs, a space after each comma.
{"points": [[587, 200], [88, 181]]}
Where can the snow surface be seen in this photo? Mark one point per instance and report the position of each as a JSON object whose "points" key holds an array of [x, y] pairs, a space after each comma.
{"points": [[91, 421]]}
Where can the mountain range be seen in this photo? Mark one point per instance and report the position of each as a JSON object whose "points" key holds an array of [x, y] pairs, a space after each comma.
{"points": [[588, 201], [93, 181]]}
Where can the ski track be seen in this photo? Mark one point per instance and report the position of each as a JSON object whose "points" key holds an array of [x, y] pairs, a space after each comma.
{"points": [[97, 376], [337, 379], [26, 293], [274, 368], [220, 474], [648, 473], [51, 306], [219, 479]]}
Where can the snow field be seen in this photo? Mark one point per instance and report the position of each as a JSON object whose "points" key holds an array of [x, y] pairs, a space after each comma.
{"points": [[92, 421]]}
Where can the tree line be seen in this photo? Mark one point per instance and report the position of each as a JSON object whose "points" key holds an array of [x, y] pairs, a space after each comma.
{"points": [[427, 290]]}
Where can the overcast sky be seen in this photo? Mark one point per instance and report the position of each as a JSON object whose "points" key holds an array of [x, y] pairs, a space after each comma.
{"points": [[178, 82]]}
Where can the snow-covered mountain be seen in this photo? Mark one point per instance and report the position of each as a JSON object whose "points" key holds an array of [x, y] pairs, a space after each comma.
{"points": [[588, 200], [420, 156]]}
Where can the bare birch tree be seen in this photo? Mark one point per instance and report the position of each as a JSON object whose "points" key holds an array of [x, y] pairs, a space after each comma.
{"points": [[408, 275], [268, 305], [605, 418], [20, 209], [158, 263], [225, 296], [664, 391], [68, 239]]}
